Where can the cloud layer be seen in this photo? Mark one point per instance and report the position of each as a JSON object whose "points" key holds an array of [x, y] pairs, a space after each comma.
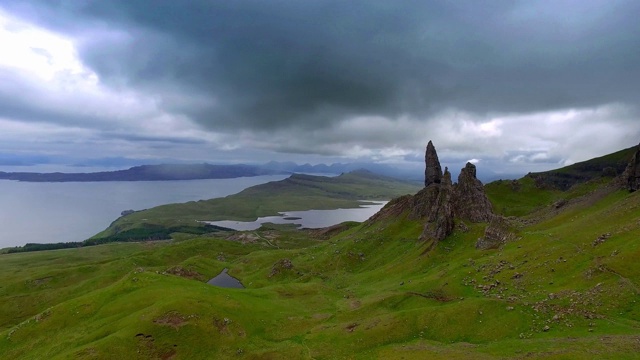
{"points": [[516, 82]]}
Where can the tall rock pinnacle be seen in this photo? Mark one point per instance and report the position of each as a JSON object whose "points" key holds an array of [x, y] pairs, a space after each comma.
{"points": [[441, 202], [433, 171], [470, 200]]}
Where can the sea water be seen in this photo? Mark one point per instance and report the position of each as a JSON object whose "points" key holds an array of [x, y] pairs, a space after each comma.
{"points": [[74, 211]]}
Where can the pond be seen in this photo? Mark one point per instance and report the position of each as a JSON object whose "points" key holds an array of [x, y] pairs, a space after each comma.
{"points": [[312, 219], [225, 280]]}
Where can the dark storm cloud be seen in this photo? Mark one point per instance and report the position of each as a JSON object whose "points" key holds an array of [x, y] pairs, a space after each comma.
{"points": [[308, 64]]}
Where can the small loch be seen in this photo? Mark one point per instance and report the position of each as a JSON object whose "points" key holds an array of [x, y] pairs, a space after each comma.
{"points": [[312, 219], [225, 280]]}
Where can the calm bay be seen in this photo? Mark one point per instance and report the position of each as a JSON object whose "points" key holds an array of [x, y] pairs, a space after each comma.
{"points": [[74, 211]]}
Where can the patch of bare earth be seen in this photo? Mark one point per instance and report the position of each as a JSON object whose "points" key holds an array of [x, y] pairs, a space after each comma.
{"points": [[185, 273], [148, 349], [173, 319]]}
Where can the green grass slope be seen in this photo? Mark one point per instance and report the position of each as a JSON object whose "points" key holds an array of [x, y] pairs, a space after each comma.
{"points": [[567, 288]]}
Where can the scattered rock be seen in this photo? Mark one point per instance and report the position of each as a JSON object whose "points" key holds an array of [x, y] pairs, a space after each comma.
{"points": [[173, 319], [601, 239], [497, 233], [560, 203], [351, 327], [546, 328], [462, 226], [280, 266], [185, 273]]}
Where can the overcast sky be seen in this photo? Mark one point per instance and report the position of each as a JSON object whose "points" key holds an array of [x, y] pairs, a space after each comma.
{"points": [[512, 85]]}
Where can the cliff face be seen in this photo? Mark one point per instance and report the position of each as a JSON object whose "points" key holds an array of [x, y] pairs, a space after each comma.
{"points": [[631, 175]]}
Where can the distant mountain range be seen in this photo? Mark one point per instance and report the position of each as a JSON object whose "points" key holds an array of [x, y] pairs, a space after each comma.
{"points": [[148, 173], [207, 171]]}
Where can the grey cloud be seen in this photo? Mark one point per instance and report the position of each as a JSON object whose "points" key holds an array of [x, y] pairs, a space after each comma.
{"points": [[15, 105], [282, 64], [153, 139], [290, 75], [532, 156]]}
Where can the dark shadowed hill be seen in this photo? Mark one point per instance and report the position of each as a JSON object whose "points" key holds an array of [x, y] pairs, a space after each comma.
{"points": [[605, 166]]}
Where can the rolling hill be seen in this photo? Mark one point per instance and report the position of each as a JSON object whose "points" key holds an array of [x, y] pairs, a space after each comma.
{"points": [[566, 285]]}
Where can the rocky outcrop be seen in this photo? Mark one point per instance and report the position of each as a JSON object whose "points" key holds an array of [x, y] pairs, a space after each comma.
{"points": [[441, 202], [280, 266], [470, 200], [440, 216], [631, 175], [432, 171], [496, 234]]}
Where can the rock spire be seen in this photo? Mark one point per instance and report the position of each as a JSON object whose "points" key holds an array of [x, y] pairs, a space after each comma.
{"points": [[470, 200], [440, 215], [433, 171], [440, 203]]}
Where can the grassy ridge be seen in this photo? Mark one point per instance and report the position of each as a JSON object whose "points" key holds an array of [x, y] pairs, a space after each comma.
{"points": [[607, 166], [298, 192], [369, 292]]}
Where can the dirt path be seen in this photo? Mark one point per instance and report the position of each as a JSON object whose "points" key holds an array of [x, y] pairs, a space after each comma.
{"points": [[265, 239]]}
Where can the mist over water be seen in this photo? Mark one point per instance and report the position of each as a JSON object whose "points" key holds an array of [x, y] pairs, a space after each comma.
{"points": [[75, 211]]}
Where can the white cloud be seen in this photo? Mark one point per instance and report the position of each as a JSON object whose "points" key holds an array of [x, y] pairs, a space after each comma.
{"points": [[38, 52]]}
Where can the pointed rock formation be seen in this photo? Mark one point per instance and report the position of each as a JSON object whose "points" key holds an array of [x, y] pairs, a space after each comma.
{"points": [[432, 171], [631, 175], [470, 200], [440, 217], [441, 202]]}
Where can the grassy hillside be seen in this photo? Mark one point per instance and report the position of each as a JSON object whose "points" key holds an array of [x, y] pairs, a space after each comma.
{"points": [[298, 192], [567, 288], [606, 166]]}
